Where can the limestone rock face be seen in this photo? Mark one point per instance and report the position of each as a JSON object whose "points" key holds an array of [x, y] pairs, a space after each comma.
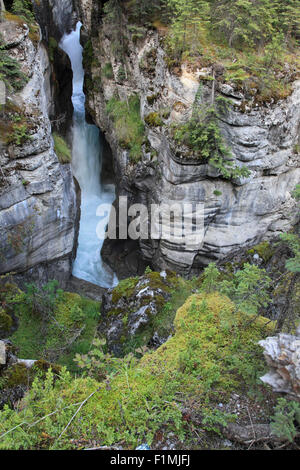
{"points": [[37, 193], [263, 138], [282, 354]]}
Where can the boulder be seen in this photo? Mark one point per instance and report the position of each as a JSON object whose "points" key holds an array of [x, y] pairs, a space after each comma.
{"points": [[282, 353]]}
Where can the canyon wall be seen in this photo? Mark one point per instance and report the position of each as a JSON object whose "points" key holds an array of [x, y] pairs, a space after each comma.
{"points": [[37, 193], [263, 138]]}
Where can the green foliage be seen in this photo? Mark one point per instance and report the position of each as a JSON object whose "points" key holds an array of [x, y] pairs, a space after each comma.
{"points": [[293, 241], [248, 288], [215, 419], [6, 323], [24, 9], [265, 251], [121, 74], [19, 135], [53, 324], [125, 289], [62, 149], [203, 135], [286, 420], [88, 55], [107, 71], [154, 120], [52, 46], [128, 123], [211, 276], [131, 400], [10, 70]]}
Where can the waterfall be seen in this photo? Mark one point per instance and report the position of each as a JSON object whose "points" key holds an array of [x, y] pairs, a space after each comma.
{"points": [[86, 163]]}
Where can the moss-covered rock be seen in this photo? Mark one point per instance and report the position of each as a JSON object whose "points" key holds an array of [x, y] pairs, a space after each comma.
{"points": [[15, 375], [129, 310]]}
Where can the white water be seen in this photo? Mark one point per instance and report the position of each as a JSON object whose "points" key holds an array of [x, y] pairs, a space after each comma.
{"points": [[86, 163]]}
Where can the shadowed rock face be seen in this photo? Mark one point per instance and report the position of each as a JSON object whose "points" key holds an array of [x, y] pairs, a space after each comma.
{"points": [[37, 193], [263, 139]]}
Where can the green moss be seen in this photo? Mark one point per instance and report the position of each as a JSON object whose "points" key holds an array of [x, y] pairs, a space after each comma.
{"points": [[43, 366], [6, 322], [265, 250], [107, 71], [124, 289], [62, 149], [212, 354], [88, 55]]}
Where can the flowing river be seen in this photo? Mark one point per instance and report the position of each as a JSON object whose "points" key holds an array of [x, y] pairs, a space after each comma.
{"points": [[86, 163]]}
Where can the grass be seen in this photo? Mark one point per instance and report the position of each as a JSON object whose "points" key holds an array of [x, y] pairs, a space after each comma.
{"points": [[128, 124], [62, 149]]}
